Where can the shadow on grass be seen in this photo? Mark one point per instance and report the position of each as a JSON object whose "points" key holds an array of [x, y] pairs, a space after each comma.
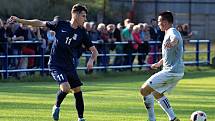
{"points": [[47, 85], [122, 77], [23, 106], [199, 74], [28, 88]]}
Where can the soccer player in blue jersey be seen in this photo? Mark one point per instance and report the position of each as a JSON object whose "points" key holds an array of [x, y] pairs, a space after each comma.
{"points": [[70, 37], [172, 72]]}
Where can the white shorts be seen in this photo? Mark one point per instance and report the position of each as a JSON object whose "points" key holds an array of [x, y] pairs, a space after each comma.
{"points": [[164, 81]]}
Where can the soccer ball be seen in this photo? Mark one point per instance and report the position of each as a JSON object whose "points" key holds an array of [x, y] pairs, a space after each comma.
{"points": [[198, 116]]}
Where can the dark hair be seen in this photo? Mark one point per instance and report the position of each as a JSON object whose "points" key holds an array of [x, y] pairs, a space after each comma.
{"points": [[79, 8], [167, 15], [153, 19]]}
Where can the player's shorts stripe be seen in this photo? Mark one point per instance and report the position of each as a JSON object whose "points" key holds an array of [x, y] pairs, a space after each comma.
{"points": [[166, 102]]}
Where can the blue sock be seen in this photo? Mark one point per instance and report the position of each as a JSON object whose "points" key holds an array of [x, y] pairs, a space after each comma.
{"points": [[79, 102], [60, 97]]}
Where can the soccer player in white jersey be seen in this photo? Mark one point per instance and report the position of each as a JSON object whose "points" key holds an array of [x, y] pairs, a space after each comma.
{"points": [[172, 72]]}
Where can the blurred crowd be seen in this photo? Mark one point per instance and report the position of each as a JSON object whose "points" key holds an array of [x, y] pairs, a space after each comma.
{"points": [[13, 40], [137, 36]]}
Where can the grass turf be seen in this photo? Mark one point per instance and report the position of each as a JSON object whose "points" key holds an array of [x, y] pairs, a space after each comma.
{"points": [[109, 97]]}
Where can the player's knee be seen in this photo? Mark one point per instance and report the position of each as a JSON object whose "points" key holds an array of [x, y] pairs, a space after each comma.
{"points": [[143, 92], [146, 90], [65, 88]]}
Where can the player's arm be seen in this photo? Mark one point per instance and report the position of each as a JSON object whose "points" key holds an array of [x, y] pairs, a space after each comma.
{"points": [[173, 41], [157, 65], [34, 22], [92, 58]]}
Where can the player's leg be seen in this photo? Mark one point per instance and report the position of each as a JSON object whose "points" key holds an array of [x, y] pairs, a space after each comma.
{"points": [[64, 86], [161, 82], [61, 94], [79, 102], [75, 85], [148, 99], [165, 105]]}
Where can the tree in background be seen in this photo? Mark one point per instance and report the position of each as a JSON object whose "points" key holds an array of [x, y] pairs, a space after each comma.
{"points": [[46, 9]]}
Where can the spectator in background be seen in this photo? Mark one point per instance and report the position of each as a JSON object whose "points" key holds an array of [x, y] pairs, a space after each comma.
{"points": [[49, 35], [88, 28], [3, 39], [156, 35], [95, 38], [179, 28], [40, 48], [51, 38], [155, 32], [185, 31], [30, 49], [104, 41], [127, 33], [3, 42], [146, 31], [137, 41], [160, 38], [9, 34], [144, 48], [118, 61], [45, 46], [27, 49], [43, 32], [127, 37], [94, 35], [34, 35], [112, 37], [117, 33], [154, 29], [120, 27], [126, 22], [18, 34]]}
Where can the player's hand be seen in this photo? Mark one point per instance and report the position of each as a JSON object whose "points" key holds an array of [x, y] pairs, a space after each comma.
{"points": [[90, 64], [155, 66], [13, 19]]}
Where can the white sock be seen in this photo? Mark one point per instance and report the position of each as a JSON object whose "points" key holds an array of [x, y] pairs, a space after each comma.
{"points": [[149, 104], [165, 105]]}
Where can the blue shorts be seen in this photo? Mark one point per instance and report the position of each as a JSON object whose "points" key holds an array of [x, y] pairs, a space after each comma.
{"points": [[62, 76]]}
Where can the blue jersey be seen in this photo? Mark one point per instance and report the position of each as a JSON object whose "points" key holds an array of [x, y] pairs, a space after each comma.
{"points": [[66, 48]]}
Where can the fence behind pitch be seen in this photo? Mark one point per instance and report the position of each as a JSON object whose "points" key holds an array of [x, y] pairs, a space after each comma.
{"points": [[154, 54]]}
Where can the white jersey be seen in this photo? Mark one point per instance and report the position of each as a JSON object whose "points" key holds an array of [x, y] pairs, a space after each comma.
{"points": [[173, 66], [173, 57]]}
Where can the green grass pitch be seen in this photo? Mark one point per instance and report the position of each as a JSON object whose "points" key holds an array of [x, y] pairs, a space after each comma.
{"points": [[107, 98]]}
